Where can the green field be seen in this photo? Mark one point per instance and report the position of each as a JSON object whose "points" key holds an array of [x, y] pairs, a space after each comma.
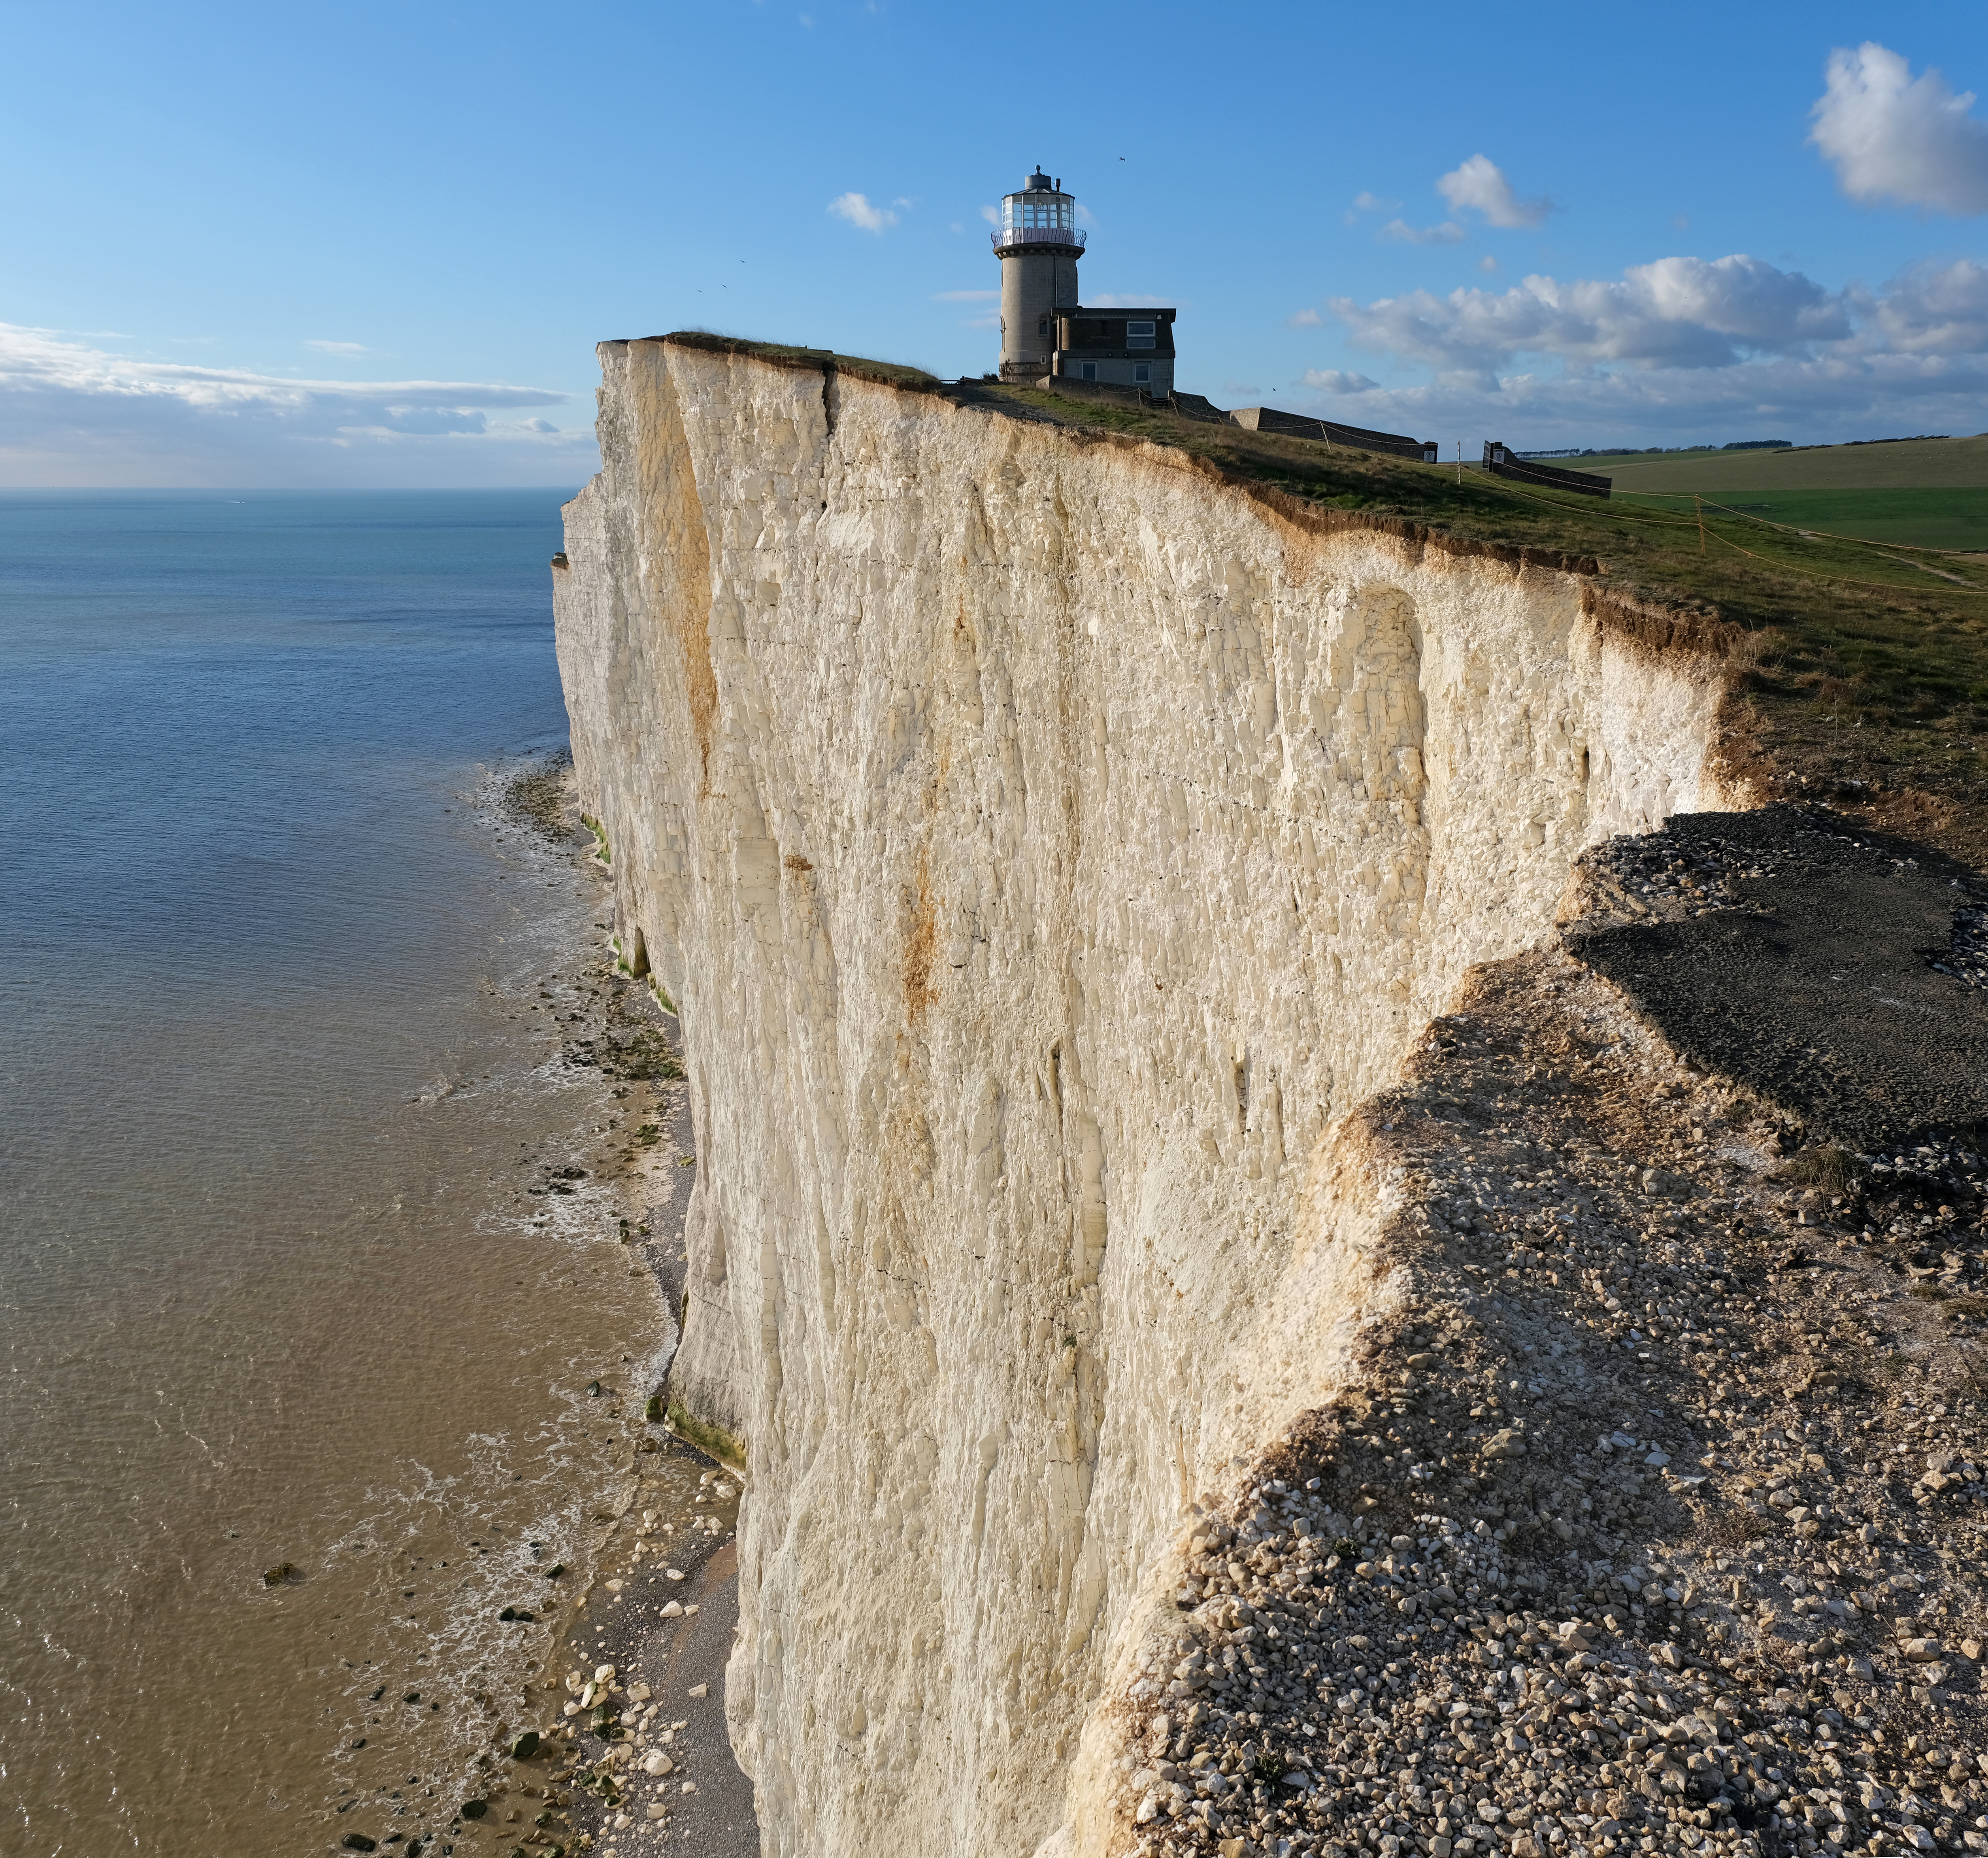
{"points": [[1926, 493], [1908, 518], [1917, 464]]}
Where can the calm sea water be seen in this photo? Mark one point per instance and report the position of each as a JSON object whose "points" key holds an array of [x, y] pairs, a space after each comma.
{"points": [[276, 1065]]}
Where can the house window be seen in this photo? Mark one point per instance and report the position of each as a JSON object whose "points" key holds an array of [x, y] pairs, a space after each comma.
{"points": [[1088, 371], [1141, 335], [1042, 326], [1142, 372]]}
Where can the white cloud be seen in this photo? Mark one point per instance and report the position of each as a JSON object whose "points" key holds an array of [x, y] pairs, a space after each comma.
{"points": [[989, 214], [1480, 183], [1373, 203], [1890, 136], [1487, 262], [1305, 318], [857, 209], [1678, 312], [1449, 233], [990, 320], [1336, 380], [340, 348], [1936, 310], [1128, 299], [74, 413], [1682, 347]]}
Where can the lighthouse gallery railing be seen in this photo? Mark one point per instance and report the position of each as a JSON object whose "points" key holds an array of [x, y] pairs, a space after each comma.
{"points": [[1038, 235]]}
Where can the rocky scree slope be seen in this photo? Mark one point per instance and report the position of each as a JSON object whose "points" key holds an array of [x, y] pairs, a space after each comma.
{"points": [[1653, 1521], [1050, 843]]}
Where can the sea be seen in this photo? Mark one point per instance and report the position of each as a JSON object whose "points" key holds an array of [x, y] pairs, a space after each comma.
{"points": [[295, 1345]]}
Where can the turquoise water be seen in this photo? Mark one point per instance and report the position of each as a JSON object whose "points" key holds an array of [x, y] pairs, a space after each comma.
{"points": [[275, 1059]]}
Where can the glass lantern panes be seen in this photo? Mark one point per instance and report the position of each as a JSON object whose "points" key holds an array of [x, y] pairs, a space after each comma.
{"points": [[1052, 212]]}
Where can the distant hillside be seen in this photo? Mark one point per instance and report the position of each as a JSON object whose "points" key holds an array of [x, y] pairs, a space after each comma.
{"points": [[1927, 493], [1915, 464]]}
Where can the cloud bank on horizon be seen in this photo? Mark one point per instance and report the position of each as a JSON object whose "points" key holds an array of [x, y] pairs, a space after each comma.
{"points": [[1542, 287], [1682, 339], [75, 415], [1683, 342]]}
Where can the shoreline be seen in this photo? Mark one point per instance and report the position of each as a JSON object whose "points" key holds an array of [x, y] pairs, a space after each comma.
{"points": [[659, 1602]]}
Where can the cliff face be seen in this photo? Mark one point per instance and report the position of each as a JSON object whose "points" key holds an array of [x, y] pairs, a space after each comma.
{"points": [[1046, 842]]}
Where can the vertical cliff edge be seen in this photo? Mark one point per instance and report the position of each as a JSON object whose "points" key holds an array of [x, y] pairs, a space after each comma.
{"points": [[1051, 845]]}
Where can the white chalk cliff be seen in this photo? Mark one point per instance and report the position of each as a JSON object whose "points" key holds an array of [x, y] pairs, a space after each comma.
{"points": [[1046, 839]]}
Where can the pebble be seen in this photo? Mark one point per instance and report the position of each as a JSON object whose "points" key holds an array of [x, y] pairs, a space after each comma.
{"points": [[1709, 1604]]}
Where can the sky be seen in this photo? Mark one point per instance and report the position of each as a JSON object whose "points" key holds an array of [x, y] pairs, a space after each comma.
{"points": [[374, 245]]}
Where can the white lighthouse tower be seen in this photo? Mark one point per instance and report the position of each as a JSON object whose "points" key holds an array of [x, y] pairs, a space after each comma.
{"points": [[1038, 243]]}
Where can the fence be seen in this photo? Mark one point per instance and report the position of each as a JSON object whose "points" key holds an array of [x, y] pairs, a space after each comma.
{"points": [[1398, 445], [1039, 235], [1501, 461]]}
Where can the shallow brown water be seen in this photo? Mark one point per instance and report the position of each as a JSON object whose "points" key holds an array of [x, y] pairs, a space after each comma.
{"points": [[369, 1360], [278, 1080]]}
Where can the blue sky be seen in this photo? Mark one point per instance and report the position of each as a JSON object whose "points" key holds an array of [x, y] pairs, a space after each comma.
{"points": [[376, 245]]}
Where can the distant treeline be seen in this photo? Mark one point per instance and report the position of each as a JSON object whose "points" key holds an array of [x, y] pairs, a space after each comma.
{"points": [[1735, 445], [1916, 437]]}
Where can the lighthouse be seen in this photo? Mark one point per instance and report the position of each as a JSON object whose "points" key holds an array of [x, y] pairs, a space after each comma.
{"points": [[1038, 242], [1045, 331]]}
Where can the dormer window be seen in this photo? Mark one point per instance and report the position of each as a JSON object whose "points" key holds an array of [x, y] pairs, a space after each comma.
{"points": [[1141, 335]]}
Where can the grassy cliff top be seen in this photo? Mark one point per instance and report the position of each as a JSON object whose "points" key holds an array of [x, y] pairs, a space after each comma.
{"points": [[1861, 671]]}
